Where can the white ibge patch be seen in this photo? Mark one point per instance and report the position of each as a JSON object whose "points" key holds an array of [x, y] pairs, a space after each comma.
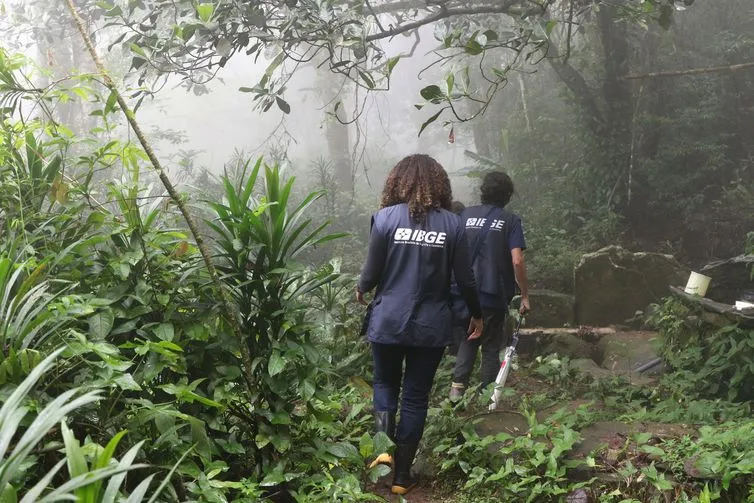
{"points": [[478, 223], [419, 237]]}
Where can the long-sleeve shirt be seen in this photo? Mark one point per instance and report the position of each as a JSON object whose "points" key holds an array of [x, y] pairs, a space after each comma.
{"points": [[410, 265]]}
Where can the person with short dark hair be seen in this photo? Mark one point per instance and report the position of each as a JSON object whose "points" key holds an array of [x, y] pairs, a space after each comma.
{"points": [[498, 267], [414, 245], [457, 207]]}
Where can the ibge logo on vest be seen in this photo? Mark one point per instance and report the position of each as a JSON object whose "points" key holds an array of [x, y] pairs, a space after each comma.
{"points": [[478, 223], [419, 237]]}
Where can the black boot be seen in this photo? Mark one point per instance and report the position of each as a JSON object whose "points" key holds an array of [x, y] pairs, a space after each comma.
{"points": [[403, 480], [384, 421]]}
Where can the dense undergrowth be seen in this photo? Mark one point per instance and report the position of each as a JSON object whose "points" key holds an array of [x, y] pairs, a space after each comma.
{"points": [[702, 399]]}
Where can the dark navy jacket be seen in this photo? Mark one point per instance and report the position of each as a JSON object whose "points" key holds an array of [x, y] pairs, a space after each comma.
{"points": [[410, 264], [493, 268]]}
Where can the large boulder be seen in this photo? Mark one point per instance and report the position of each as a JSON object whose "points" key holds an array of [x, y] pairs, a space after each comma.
{"points": [[612, 284], [731, 279], [572, 346], [550, 309]]}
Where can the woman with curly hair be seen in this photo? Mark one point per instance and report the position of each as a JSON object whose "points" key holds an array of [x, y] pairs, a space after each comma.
{"points": [[414, 246]]}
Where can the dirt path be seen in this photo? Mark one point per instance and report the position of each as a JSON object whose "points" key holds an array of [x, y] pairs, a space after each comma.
{"points": [[424, 493]]}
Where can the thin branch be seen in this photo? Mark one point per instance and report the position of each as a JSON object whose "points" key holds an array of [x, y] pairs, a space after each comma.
{"points": [[443, 13], [692, 71], [568, 36], [374, 15], [179, 202]]}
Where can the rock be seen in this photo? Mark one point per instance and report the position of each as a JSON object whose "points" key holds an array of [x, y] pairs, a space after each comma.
{"points": [[612, 284], [614, 434], [731, 279], [588, 367], [565, 344], [551, 309], [534, 340], [501, 421], [579, 496], [624, 352]]}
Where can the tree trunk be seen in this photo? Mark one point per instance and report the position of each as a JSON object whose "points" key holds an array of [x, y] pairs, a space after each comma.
{"points": [[337, 133]]}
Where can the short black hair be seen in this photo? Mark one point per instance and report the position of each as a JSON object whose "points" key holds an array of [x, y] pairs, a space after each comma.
{"points": [[457, 207], [497, 189]]}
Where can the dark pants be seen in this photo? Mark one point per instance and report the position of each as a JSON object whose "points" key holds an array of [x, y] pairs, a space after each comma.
{"points": [[417, 378], [491, 341]]}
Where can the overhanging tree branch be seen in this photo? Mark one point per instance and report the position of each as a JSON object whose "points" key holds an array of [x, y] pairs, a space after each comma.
{"points": [[691, 71], [444, 13]]}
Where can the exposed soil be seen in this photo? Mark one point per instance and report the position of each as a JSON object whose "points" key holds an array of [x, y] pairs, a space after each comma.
{"points": [[423, 493]]}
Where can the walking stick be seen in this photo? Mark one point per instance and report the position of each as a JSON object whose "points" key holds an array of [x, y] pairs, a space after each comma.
{"points": [[505, 367]]}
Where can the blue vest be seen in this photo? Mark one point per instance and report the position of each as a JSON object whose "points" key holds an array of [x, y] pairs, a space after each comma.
{"points": [[493, 268], [411, 303]]}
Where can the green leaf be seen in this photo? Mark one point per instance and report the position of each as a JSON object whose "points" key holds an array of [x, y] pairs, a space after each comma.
{"points": [[100, 323], [138, 50], [280, 418], [391, 64], [127, 382], [307, 389], [366, 446], [110, 104], [382, 442], [550, 26], [368, 80], [343, 450], [9, 494], [276, 364], [377, 472], [74, 454], [430, 121], [205, 11], [283, 105], [652, 450], [450, 81], [474, 48], [432, 94], [136, 63], [164, 331]]}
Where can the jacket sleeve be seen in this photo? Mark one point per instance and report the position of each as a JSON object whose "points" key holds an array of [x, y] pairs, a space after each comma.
{"points": [[373, 268], [464, 275]]}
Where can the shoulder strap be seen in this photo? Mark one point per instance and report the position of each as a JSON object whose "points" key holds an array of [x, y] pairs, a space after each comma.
{"points": [[482, 235]]}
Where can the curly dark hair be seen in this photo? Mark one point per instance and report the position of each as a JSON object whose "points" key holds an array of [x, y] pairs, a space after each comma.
{"points": [[420, 182], [497, 189]]}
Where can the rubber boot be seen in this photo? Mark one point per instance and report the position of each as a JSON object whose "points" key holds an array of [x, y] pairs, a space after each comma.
{"points": [[384, 421], [403, 479]]}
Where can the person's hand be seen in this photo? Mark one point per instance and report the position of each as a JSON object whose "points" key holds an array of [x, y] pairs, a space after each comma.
{"points": [[360, 297], [476, 326], [525, 307]]}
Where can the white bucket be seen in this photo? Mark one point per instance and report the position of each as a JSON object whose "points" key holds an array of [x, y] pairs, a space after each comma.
{"points": [[697, 284]]}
